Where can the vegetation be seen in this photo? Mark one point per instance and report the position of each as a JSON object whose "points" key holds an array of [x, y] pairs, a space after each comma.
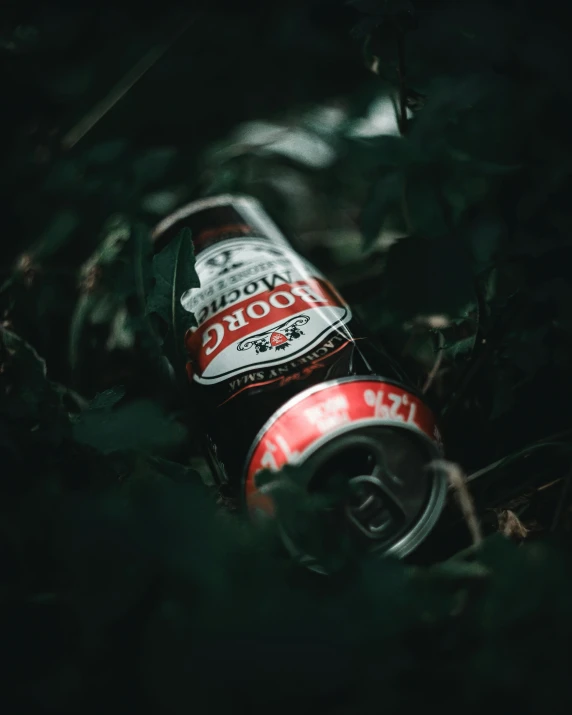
{"points": [[418, 152]]}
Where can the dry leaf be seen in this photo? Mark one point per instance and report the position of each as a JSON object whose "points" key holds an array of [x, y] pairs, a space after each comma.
{"points": [[510, 525]]}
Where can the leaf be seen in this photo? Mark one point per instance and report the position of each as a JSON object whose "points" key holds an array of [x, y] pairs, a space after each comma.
{"points": [[139, 321], [64, 177], [304, 519], [31, 363], [142, 266], [121, 331], [484, 238], [391, 151], [160, 202], [24, 374], [85, 304], [174, 273], [504, 397], [460, 347], [179, 473], [72, 82], [152, 166], [59, 232], [28, 396], [105, 152], [115, 234], [384, 201], [107, 399], [463, 192], [140, 425], [424, 204]]}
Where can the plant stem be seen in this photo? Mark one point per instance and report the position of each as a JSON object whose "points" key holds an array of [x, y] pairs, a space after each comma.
{"points": [[493, 340], [551, 441], [437, 364], [96, 113]]}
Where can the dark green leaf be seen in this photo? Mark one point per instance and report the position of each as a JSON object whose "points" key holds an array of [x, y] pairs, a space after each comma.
{"points": [[60, 231], [107, 399], [179, 473], [174, 273], [28, 397], [142, 265], [140, 425], [391, 151], [105, 152], [425, 204], [73, 83], [460, 348], [385, 200], [504, 396], [84, 306], [485, 239], [152, 166]]}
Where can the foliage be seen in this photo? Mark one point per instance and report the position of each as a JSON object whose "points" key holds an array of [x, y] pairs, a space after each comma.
{"points": [[417, 151]]}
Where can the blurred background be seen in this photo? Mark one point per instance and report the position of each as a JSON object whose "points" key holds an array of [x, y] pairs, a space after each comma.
{"points": [[115, 114], [418, 152]]}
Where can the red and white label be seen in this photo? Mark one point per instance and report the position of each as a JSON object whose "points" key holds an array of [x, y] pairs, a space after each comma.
{"points": [[326, 410], [259, 304]]}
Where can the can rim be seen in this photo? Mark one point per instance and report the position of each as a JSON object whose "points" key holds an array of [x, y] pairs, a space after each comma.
{"points": [[422, 527], [201, 204], [293, 401], [433, 507]]}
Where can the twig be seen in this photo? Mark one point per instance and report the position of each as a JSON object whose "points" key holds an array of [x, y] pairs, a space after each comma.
{"points": [[437, 364], [550, 484], [76, 133], [551, 441], [492, 342], [458, 482]]}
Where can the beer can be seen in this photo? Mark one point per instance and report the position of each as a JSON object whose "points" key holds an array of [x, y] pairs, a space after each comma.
{"points": [[283, 373]]}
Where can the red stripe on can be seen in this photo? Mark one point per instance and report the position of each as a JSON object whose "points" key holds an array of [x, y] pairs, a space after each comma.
{"points": [[325, 411]]}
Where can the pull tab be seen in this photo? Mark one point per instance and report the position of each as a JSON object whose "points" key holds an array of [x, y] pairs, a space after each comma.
{"points": [[373, 509]]}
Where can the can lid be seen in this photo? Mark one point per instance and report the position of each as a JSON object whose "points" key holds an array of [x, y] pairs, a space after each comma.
{"points": [[392, 494], [395, 495]]}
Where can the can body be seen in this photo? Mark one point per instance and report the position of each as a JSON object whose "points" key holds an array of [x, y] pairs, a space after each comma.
{"points": [[282, 372]]}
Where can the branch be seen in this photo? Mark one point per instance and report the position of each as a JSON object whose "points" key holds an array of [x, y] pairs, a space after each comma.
{"points": [[88, 121], [435, 369], [551, 441], [458, 482]]}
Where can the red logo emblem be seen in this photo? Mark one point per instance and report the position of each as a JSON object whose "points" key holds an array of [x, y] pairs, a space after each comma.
{"points": [[277, 339]]}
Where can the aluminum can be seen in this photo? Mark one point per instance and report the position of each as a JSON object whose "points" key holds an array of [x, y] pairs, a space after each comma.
{"points": [[282, 372]]}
